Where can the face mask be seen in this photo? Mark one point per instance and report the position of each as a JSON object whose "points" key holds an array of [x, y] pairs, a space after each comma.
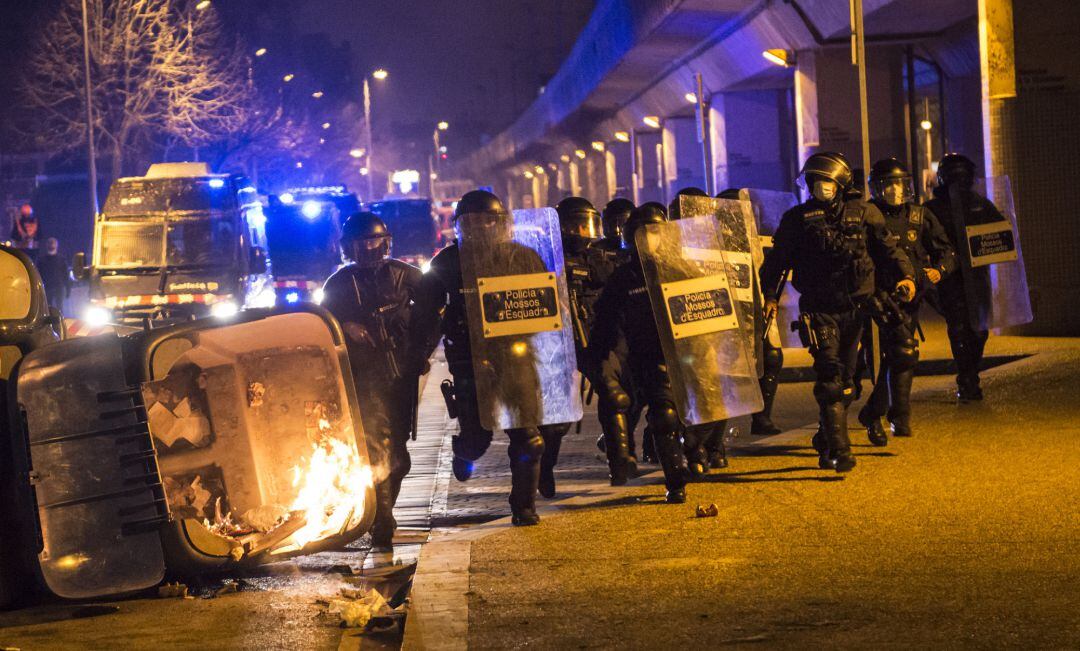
{"points": [[824, 191]]}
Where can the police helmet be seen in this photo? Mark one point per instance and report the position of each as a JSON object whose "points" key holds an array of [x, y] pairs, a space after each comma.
{"points": [[730, 193], [579, 222], [616, 212], [887, 172], [365, 239], [478, 201], [673, 205], [956, 168], [647, 213], [829, 165]]}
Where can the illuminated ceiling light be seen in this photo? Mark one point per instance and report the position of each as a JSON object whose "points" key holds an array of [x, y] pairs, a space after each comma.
{"points": [[553, 167], [580, 153], [691, 97], [651, 121], [926, 125], [539, 169], [363, 171], [444, 125], [622, 136], [325, 125], [260, 52], [317, 94], [528, 174], [380, 74], [356, 153], [203, 4], [780, 57], [565, 158], [289, 77], [598, 145]]}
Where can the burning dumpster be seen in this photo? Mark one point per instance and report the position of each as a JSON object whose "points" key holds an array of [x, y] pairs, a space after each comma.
{"points": [[197, 447]]}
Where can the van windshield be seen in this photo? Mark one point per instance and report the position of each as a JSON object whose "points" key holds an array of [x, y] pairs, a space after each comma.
{"points": [[187, 242]]}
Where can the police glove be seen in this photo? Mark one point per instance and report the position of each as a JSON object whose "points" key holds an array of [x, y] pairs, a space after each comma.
{"points": [[933, 275], [906, 289], [769, 312]]}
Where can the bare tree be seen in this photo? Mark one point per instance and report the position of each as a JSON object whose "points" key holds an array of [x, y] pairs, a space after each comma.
{"points": [[160, 69]]}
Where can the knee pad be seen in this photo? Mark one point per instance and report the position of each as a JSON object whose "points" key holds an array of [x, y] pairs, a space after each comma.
{"points": [[904, 354], [663, 419], [830, 391], [614, 398], [526, 445], [773, 359]]}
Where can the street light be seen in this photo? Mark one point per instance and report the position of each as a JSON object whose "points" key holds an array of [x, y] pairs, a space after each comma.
{"points": [[203, 4], [598, 145], [325, 125], [691, 98], [779, 57], [580, 153], [380, 74], [260, 52], [289, 77], [443, 126], [317, 94], [651, 121], [565, 158], [622, 136], [356, 153]]}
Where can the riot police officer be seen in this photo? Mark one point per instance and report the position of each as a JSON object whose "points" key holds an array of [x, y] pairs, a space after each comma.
{"points": [[918, 233], [372, 298], [587, 269], [441, 305], [832, 245], [624, 310], [953, 195]]}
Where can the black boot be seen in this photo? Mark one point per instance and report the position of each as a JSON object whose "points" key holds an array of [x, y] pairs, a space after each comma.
{"points": [[553, 435], [834, 428], [821, 447], [525, 450], [648, 446], [761, 423], [617, 445], [874, 429], [669, 449], [900, 409]]}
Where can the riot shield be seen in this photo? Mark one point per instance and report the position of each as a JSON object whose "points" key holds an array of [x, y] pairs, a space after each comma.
{"points": [[742, 255], [692, 288], [520, 331], [769, 207], [992, 264]]}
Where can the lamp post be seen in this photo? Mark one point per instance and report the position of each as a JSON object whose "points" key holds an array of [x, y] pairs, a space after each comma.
{"points": [[90, 150], [379, 74]]}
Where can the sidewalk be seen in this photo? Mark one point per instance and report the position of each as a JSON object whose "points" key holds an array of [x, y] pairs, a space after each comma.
{"points": [[962, 535]]}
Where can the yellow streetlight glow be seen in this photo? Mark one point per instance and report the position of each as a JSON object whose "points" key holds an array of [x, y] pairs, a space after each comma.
{"points": [[317, 94], [926, 125], [598, 145], [580, 153], [356, 153], [691, 97], [528, 174], [289, 77], [444, 125], [622, 136], [203, 4], [565, 158], [325, 125], [380, 74], [539, 169], [651, 121], [260, 52], [779, 56]]}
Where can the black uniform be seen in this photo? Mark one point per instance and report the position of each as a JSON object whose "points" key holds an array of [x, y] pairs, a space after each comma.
{"points": [[385, 367], [832, 250], [442, 293], [56, 275], [952, 299], [624, 312], [919, 234]]}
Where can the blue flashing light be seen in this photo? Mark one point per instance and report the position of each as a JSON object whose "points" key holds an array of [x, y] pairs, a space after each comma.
{"points": [[217, 184], [311, 209], [287, 198], [292, 297]]}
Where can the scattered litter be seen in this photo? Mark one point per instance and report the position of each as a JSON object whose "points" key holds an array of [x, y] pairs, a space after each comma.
{"points": [[173, 591], [363, 609], [710, 511]]}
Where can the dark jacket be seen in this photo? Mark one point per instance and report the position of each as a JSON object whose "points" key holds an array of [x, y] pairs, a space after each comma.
{"points": [[833, 254], [587, 272], [381, 300], [919, 234], [624, 311], [55, 274], [976, 210]]}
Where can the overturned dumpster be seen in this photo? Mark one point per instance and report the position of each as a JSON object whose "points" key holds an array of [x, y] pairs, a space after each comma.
{"points": [[203, 446]]}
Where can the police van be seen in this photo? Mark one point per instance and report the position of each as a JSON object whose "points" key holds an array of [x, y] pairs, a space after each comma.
{"points": [[177, 243]]}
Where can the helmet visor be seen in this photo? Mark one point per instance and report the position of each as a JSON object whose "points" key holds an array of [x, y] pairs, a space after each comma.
{"points": [[893, 190]]}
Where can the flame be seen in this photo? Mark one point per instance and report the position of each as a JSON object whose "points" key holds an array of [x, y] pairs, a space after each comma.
{"points": [[331, 489]]}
